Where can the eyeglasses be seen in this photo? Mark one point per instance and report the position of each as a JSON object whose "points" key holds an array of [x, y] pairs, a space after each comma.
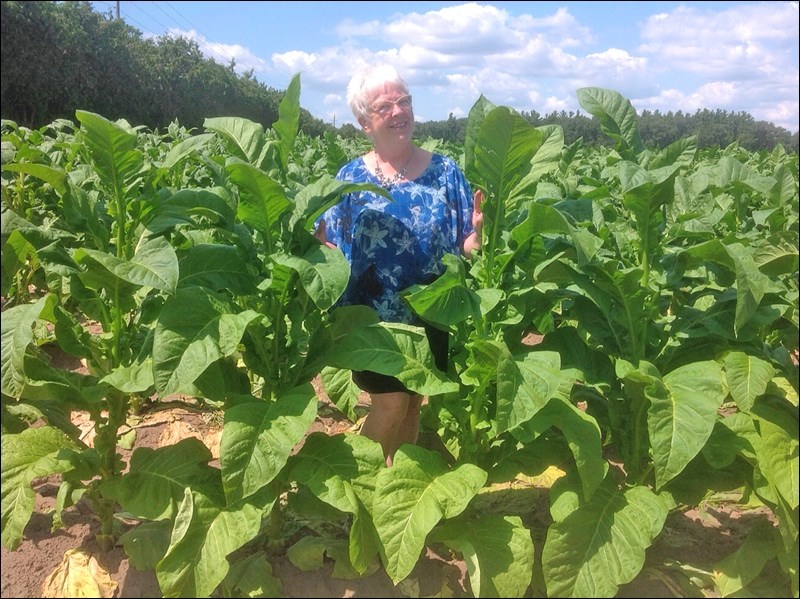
{"points": [[386, 108]]}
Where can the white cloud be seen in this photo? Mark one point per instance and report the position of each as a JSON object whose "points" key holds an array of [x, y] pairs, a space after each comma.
{"points": [[740, 58], [744, 59], [457, 30], [553, 104], [748, 41], [244, 59], [349, 28]]}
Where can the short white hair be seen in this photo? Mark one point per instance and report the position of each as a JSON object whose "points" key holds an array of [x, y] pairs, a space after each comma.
{"points": [[365, 83]]}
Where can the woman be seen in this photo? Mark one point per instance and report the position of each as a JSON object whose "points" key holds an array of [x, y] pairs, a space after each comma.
{"points": [[392, 245]]}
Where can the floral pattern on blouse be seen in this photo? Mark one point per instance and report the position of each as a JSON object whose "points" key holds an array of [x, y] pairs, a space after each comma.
{"points": [[391, 245]]}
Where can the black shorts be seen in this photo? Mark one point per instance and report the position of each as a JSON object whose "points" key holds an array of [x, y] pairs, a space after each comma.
{"points": [[373, 382]]}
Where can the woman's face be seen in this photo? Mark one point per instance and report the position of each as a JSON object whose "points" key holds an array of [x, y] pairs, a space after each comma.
{"points": [[390, 116]]}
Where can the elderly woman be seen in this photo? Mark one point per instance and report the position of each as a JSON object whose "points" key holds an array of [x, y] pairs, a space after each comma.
{"points": [[392, 245]]}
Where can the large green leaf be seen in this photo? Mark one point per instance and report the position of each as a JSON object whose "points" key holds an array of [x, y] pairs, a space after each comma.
{"points": [[490, 362], [49, 174], [155, 264], [583, 437], [262, 201], [477, 115], [338, 469], [497, 549], [779, 256], [30, 454], [777, 451], [679, 153], [546, 159], [17, 251], [411, 497], [617, 118], [185, 205], [394, 349], [341, 471], [681, 416], [447, 301], [72, 389], [113, 152], [644, 193], [751, 283], [323, 273], [154, 485], [251, 576], [733, 435], [737, 570], [185, 148], [342, 391], [592, 548], [203, 536], [503, 154], [218, 267], [244, 138], [258, 437], [146, 543], [17, 334], [288, 119], [539, 378], [136, 378], [617, 309], [195, 328], [747, 378], [542, 219]]}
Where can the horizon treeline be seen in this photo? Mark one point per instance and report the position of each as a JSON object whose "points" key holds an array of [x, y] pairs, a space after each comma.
{"points": [[59, 57]]}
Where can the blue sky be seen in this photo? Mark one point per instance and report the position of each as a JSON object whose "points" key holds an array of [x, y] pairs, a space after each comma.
{"points": [[532, 56]]}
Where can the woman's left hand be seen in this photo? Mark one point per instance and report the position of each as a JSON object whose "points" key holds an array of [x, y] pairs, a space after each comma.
{"points": [[322, 236], [473, 242], [477, 212]]}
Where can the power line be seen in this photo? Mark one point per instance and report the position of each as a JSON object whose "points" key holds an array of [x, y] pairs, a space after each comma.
{"points": [[146, 14], [225, 58], [177, 12], [215, 50]]}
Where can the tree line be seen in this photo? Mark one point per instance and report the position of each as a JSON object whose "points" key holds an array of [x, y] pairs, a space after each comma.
{"points": [[58, 57], [713, 128]]}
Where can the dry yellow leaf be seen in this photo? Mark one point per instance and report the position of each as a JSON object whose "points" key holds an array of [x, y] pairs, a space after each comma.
{"points": [[546, 479], [177, 430], [79, 575]]}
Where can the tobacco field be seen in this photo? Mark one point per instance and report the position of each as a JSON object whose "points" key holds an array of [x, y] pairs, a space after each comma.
{"points": [[179, 267]]}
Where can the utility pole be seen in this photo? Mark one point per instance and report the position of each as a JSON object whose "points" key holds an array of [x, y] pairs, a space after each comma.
{"points": [[117, 10]]}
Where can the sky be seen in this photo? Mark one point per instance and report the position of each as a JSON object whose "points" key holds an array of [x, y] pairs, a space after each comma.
{"points": [[530, 56]]}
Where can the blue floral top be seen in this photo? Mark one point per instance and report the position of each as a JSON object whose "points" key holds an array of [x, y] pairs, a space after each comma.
{"points": [[392, 245]]}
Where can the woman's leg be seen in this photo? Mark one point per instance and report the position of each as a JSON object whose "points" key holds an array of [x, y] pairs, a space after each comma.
{"points": [[393, 419], [409, 428]]}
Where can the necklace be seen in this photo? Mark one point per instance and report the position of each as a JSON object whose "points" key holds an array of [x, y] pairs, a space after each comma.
{"points": [[387, 182]]}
